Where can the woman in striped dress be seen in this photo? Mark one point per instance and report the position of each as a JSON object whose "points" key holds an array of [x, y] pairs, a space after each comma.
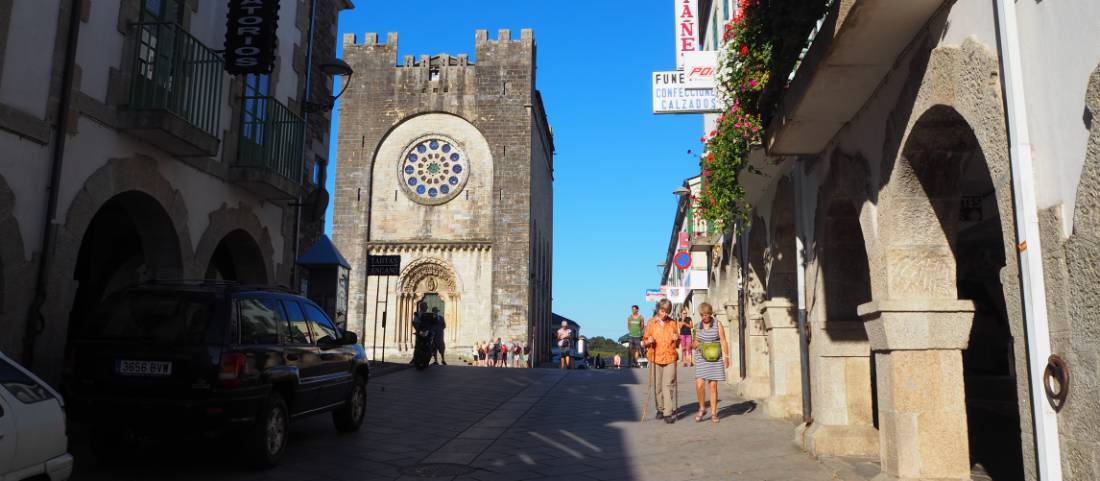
{"points": [[709, 372]]}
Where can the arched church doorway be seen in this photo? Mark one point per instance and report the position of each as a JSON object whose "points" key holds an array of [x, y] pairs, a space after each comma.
{"points": [[947, 160], [431, 281], [237, 258], [130, 239]]}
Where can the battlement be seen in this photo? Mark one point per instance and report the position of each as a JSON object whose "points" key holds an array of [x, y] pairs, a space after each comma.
{"points": [[502, 49]]}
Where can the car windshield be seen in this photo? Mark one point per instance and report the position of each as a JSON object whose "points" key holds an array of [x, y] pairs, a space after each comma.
{"points": [[20, 385], [159, 317]]}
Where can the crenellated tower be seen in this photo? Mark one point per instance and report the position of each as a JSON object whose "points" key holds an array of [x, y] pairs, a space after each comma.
{"points": [[448, 162]]}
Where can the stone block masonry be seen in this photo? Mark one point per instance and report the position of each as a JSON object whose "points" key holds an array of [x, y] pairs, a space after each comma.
{"points": [[489, 105]]}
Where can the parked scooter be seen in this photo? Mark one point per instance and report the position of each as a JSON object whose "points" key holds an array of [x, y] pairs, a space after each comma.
{"points": [[422, 350]]}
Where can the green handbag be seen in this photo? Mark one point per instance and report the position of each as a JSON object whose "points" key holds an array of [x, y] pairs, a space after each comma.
{"points": [[712, 351]]}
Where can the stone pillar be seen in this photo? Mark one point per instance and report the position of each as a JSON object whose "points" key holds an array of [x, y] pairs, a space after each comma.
{"points": [[918, 346], [843, 423], [733, 337], [785, 397], [757, 383]]}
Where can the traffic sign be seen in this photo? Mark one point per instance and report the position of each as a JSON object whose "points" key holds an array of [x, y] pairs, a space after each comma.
{"points": [[682, 259]]}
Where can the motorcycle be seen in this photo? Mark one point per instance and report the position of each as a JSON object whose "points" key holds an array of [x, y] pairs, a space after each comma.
{"points": [[422, 350]]}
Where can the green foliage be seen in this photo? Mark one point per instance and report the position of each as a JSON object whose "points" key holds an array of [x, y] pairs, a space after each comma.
{"points": [[743, 74]]}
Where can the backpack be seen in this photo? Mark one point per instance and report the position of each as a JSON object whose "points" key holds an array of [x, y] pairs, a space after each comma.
{"points": [[515, 349]]}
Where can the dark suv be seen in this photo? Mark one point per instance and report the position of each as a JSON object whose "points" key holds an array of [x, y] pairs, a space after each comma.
{"points": [[167, 358]]}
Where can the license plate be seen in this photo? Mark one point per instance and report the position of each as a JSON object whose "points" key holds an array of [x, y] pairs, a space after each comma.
{"points": [[144, 368]]}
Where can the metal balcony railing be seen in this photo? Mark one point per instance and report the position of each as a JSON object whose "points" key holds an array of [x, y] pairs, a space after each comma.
{"points": [[173, 71], [271, 137]]}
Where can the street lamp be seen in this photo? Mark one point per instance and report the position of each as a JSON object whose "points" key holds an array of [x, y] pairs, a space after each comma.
{"points": [[681, 191], [333, 68]]}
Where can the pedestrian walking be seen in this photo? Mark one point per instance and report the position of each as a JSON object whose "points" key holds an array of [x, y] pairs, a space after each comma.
{"points": [[661, 339], [617, 361], [481, 354], [635, 326], [526, 355], [437, 333], [565, 344], [711, 360], [685, 337], [503, 351], [517, 354]]}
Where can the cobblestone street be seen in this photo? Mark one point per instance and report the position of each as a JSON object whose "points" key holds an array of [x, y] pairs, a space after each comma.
{"points": [[507, 424]]}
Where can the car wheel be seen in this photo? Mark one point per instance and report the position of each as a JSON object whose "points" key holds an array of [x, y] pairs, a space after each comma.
{"points": [[267, 440], [350, 416]]}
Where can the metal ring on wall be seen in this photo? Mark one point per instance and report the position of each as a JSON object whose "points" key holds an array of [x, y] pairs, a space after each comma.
{"points": [[1057, 370]]}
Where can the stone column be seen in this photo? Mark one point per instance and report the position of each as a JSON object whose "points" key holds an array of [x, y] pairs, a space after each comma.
{"points": [[733, 337], [785, 398], [843, 423], [918, 346], [757, 383]]}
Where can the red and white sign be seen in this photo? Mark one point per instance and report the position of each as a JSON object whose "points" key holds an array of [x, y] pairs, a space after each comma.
{"points": [[700, 69], [687, 29], [682, 241]]}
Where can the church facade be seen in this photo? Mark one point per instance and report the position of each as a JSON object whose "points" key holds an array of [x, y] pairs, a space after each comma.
{"points": [[447, 163]]}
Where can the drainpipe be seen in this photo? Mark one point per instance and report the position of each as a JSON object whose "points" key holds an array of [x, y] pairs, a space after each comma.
{"points": [[36, 322], [800, 259], [743, 292], [305, 144], [1030, 250]]}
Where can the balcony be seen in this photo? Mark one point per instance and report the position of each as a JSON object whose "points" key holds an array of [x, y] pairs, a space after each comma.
{"points": [[269, 153], [175, 91], [857, 45]]}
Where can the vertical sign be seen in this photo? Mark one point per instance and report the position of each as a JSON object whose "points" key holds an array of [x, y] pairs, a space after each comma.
{"points": [[687, 29], [250, 39]]}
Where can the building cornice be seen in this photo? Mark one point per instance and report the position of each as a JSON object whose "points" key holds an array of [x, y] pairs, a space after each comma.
{"points": [[429, 246]]}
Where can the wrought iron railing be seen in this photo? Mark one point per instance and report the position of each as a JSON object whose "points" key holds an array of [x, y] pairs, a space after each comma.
{"points": [[271, 137], [175, 72]]}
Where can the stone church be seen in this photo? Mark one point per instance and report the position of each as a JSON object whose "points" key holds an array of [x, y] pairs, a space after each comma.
{"points": [[446, 161]]}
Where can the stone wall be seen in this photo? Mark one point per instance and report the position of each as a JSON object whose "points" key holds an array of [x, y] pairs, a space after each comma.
{"points": [[488, 107]]}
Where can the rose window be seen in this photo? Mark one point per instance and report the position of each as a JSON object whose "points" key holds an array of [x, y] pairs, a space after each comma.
{"points": [[433, 170]]}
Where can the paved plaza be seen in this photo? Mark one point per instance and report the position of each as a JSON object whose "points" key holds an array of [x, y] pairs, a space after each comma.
{"points": [[485, 424]]}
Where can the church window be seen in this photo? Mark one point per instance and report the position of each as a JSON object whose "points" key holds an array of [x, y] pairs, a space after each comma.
{"points": [[433, 170]]}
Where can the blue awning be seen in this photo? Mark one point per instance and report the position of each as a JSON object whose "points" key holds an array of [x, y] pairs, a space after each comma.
{"points": [[323, 254]]}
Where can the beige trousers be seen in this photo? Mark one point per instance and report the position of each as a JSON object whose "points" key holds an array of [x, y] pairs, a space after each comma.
{"points": [[665, 380]]}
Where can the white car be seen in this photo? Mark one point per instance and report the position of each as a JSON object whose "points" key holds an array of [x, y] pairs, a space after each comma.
{"points": [[33, 441]]}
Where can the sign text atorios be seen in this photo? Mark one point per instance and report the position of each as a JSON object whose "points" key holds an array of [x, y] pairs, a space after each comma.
{"points": [[250, 38]]}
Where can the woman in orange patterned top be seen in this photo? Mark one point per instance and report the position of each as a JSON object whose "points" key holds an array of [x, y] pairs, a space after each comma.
{"points": [[662, 338]]}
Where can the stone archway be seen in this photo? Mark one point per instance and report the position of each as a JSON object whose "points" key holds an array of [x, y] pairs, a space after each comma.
{"points": [[422, 277], [947, 129], [130, 239], [843, 389], [756, 383], [780, 321], [250, 240], [238, 258]]}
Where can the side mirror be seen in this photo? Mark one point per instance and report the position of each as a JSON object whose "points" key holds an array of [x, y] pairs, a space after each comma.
{"points": [[349, 338]]}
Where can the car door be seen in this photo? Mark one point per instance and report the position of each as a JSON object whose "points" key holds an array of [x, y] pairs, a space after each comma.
{"points": [[336, 359], [264, 332], [302, 350]]}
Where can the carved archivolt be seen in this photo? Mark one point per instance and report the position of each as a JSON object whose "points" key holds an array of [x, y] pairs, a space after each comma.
{"points": [[428, 275]]}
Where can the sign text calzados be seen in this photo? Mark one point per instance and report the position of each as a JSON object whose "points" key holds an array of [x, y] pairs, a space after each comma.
{"points": [[250, 39], [671, 96]]}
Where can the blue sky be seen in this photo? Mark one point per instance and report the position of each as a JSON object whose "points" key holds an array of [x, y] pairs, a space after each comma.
{"points": [[616, 163]]}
